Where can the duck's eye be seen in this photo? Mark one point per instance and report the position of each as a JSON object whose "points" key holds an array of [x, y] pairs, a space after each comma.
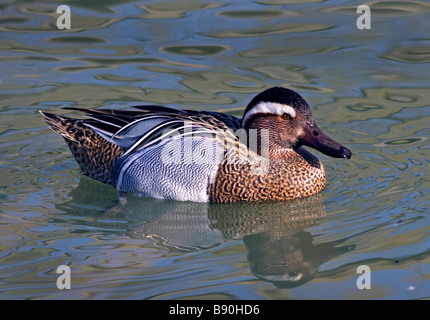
{"points": [[286, 116]]}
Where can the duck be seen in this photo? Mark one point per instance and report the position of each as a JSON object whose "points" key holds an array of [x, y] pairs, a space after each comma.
{"points": [[203, 156]]}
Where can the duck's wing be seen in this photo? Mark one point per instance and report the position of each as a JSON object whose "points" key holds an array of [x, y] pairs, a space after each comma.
{"points": [[232, 122], [134, 130]]}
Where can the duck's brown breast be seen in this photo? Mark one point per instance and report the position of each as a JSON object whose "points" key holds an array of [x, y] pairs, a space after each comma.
{"points": [[298, 175]]}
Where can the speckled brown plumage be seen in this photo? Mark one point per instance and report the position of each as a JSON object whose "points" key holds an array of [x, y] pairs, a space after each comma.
{"points": [[95, 155], [299, 175]]}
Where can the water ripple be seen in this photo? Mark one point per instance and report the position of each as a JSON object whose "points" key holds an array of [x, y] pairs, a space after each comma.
{"points": [[367, 89]]}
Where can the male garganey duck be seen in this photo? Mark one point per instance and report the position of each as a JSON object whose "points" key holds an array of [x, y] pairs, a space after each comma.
{"points": [[204, 156]]}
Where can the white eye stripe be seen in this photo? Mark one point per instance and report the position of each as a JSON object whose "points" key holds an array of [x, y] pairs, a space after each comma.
{"points": [[270, 108]]}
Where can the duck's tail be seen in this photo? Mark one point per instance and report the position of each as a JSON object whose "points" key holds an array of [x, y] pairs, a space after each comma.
{"points": [[95, 155]]}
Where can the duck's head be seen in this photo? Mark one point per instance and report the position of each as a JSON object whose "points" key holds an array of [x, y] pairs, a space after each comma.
{"points": [[289, 120]]}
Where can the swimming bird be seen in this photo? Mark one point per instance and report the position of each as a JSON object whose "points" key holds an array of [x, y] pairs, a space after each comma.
{"points": [[204, 156]]}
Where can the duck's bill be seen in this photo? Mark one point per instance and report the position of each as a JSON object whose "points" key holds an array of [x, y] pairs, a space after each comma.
{"points": [[315, 138]]}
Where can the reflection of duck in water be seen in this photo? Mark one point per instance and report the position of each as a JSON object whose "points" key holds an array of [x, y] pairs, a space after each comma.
{"points": [[198, 156], [280, 250]]}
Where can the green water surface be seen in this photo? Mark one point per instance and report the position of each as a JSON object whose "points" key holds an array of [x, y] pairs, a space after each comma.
{"points": [[369, 89]]}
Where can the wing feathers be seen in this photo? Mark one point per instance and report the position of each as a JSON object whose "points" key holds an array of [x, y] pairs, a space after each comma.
{"points": [[134, 130]]}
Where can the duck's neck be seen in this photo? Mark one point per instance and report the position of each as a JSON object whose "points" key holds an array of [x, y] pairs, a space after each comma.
{"points": [[264, 144]]}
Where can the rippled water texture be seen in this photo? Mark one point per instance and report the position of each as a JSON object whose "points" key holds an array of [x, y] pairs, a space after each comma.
{"points": [[369, 90]]}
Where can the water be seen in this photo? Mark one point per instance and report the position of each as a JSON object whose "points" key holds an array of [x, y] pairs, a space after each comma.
{"points": [[368, 90]]}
